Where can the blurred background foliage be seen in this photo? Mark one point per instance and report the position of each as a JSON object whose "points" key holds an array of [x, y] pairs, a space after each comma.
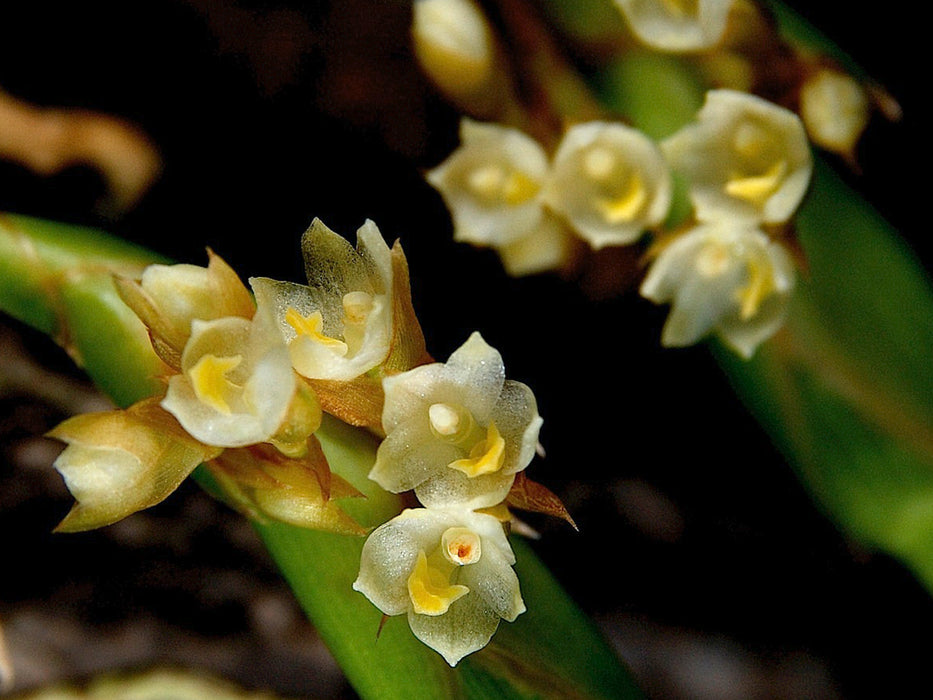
{"points": [[700, 554]]}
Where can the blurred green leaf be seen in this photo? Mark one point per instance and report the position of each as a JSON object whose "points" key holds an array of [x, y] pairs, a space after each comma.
{"points": [[846, 388]]}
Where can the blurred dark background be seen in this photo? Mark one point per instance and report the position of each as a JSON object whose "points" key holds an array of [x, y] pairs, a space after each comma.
{"points": [[699, 553]]}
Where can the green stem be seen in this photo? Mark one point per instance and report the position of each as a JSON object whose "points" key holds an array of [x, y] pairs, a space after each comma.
{"points": [[58, 279]]}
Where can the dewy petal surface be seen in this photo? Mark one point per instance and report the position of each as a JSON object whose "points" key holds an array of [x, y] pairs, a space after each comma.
{"points": [[456, 432], [477, 579], [340, 325]]}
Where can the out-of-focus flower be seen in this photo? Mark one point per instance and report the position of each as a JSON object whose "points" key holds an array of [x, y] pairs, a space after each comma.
{"points": [[168, 298], [492, 184], [454, 45], [744, 158], [119, 462], [449, 571], [456, 432], [610, 183], [835, 110], [727, 277], [548, 247], [236, 382], [677, 25]]}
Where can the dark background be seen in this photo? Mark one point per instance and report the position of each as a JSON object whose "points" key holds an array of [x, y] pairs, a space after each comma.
{"points": [[699, 553]]}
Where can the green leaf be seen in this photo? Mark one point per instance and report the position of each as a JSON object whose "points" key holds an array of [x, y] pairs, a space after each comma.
{"points": [[846, 389]]}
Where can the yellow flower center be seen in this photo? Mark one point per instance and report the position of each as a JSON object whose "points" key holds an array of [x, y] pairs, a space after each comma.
{"points": [[496, 184], [486, 456], [762, 168], [714, 259], [757, 188], [627, 204], [430, 589], [312, 326], [209, 380]]}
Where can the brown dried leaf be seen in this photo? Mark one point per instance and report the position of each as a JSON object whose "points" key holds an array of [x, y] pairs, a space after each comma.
{"points": [[408, 347], [357, 402], [532, 496]]}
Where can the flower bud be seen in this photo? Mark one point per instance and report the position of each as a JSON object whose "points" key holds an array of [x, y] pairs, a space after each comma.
{"points": [[454, 46], [835, 110]]}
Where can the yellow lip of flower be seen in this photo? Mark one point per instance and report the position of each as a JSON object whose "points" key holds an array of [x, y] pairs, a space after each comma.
{"points": [[312, 326], [209, 381], [628, 204], [760, 286], [757, 188], [486, 456], [430, 589]]}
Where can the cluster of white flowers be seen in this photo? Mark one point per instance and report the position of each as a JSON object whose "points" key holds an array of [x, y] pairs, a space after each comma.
{"points": [[457, 433], [606, 184], [248, 377], [747, 163]]}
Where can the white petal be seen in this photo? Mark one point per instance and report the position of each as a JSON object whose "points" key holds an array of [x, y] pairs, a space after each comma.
{"points": [[466, 627]]}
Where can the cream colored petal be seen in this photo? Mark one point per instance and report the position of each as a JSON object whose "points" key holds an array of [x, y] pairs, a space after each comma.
{"points": [[409, 455], [262, 384], [728, 278], [479, 369], [445, 487], [493, 579], [516, 415], [744, 158], [549, 246]]}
